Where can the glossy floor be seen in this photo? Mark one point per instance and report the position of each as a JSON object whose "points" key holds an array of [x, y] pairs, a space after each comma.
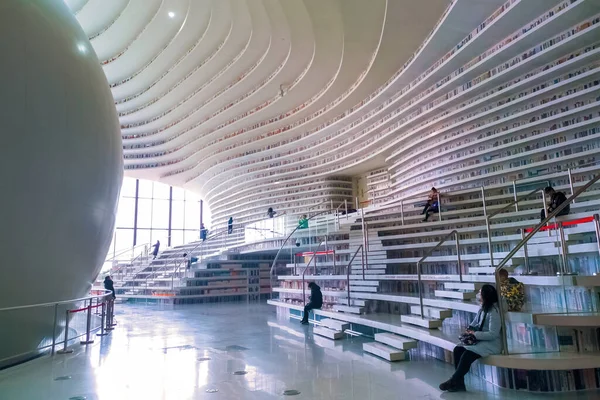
{"points": [[197, 351]]}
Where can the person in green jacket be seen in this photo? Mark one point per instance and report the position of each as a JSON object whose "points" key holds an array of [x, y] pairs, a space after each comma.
{"points": [[303, 222]]}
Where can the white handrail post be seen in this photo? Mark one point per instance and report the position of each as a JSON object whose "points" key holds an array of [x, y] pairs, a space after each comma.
{"points": [[420, 284], [488, 228], [458, 259], [571, 183], [564, 251], [346, 207], [526, 255], [515, 195], [402, 211], [439, 207]]}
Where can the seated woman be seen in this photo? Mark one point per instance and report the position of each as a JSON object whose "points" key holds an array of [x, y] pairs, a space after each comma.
{"points": [[432, 205], [271, 213], [485, 335]]}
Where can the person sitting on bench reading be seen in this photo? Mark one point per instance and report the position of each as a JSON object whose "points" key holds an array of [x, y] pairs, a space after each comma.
{"points": [[554, 200], [432, 205], [316, 301]]}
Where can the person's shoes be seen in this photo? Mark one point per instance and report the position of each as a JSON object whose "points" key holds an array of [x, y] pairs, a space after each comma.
{"points": [[424, 219], [446, 385], [457, 387], [304, 322]]}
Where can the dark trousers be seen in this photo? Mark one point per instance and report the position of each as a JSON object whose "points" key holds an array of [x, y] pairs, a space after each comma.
{"points": [[430, 208], [307, 308], [463, 359], [564, 211], [229, 229]]}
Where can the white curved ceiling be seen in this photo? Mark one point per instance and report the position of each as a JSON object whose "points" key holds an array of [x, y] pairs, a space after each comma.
{"points": [[229, 97]]}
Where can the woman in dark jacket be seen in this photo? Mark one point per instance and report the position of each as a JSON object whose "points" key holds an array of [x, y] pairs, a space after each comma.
{"points": [[109, 285]]}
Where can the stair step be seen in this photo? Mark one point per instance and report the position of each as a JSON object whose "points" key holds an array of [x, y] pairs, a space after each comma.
{"points": [[353, 302], [488, 270], [515, 261], [475, 286], [429, 323], [348, 309], [328, 333], [385, 352], [334, 324], [451, 294], [364, 289], [360, 282], [368, 271], [431, 312], [396, 341]]}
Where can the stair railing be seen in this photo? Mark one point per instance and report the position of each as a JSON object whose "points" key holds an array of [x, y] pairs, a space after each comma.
{"points": [[427, 254], [514, 202], [306, 269], [283, 245], [524, 241], [349, 268]]}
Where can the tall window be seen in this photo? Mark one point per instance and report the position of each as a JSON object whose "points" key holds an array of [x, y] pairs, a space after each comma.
{"points": [[150, 211]]}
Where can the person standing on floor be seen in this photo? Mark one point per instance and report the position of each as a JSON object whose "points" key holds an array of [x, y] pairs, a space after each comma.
{"points": [[230, 226], [109, 285], [481, 339], [316, 301], [156, 247]]}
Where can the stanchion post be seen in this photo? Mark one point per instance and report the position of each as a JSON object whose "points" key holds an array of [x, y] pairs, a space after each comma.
{"points": [[64, 350], [102, 320], [88, 325], [54, 326]]}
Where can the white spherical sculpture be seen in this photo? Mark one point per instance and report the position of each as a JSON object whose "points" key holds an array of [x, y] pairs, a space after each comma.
{"points": [[61, 165]]}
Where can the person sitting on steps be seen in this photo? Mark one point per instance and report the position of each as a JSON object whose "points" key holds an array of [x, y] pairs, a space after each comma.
{"points": [[432, 205], [485, 339], [512, 291], [316, 301], [554, 200]]}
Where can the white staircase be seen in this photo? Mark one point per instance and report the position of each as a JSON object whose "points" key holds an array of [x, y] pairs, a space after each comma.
{"points": [[331, 328], [390, 347]]}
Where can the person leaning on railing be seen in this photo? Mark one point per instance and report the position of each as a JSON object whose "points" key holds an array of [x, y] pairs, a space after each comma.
{"points": [[303, 222], [481, 339], [109, 285]]}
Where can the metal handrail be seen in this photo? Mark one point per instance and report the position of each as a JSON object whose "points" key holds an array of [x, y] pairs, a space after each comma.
{"points": [[398, 202], [283, 244], [107, 292], [307, 267], [523, 241], [515, 201], [348, 269], [132, 249], [427, 254]]}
